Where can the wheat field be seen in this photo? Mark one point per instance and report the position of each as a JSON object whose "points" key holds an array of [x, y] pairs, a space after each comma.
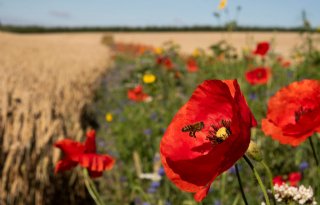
{"points": [[46, 81]]}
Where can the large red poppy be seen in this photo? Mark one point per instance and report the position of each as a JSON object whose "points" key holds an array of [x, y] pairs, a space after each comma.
{"points": [[262, 48], [84, 154], [294, 113], [258, 76], [207, 136], [192, 65], [136, 94]]}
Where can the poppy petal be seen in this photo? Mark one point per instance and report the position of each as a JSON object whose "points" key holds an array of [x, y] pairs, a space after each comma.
{"points": [[94, 174], [90, 143], [64, 165], [70, 148], [95, 162], [200, 195]]}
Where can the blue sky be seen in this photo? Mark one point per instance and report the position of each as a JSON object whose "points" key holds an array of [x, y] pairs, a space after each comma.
{"points": [[155, 12]]}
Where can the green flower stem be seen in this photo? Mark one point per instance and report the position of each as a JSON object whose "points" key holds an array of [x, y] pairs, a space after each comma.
{"points": [[138, 189], [235, 202], [256, 174], [270, 176], [240, 185], [313, 151], [223, 187], [91, 188]]}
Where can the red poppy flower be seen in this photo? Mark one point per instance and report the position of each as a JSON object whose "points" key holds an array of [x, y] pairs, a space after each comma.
{"points": [[262, 49], [258, 76], [207, 136], [294, 178], [278, 180], [84, 154], [294, 113], [136, 94], [286, 64], [166, 61], [192, 65]]}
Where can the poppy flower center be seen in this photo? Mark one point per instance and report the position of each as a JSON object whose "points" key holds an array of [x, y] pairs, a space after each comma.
{"points": [[301, 111], [219, 134], [222, 133]]}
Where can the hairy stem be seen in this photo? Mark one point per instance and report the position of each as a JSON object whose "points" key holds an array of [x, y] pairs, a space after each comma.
{"points": [[256, 174], [240, 185], [91, 188], [313, 151]]}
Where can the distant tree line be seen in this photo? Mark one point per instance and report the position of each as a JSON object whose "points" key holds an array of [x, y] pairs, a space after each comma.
{"points": [[40, 29]]}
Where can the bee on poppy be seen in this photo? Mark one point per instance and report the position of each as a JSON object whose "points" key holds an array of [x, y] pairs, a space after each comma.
{"points": [[192, 129], [192, 164]]}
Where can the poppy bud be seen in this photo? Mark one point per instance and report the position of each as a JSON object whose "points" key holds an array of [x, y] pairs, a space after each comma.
{"points": [[254, 152]]}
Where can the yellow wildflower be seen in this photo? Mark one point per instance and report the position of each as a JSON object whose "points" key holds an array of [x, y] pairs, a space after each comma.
{"points": [[222, 4], [109, 117], [158, 50], [196, 53], [149, 78]]}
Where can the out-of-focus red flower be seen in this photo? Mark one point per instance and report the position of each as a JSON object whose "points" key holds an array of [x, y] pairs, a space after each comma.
{"points": [[258, 76], [278, 180], [168, 63], [284, 63], [206, 136], [177, 75], [262, 49], [294, 113], [159, 60], [136, 94], [84, 154], [165, 61], [294, 178], [192, 65]]}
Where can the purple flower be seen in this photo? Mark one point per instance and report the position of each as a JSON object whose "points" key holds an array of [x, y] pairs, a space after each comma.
{"points": [[252, 96], [137, 200], [303, 165], [151, 190], [155, 184], [161, 171], [217, 202], [290, 74], [154, 116], [147, 132]]}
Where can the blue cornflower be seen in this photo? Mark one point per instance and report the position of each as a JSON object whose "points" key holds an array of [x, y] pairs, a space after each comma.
{"points": [[147, 132], [303, 165], [252, 96], [161, 171]]}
